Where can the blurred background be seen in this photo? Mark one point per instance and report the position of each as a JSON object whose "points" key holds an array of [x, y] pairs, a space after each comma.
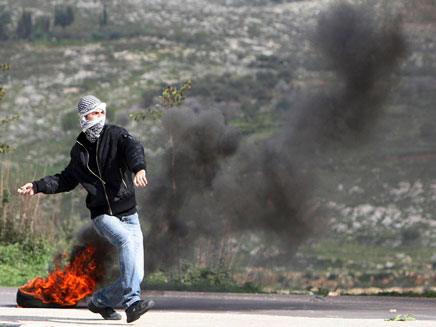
{"points": [[363, 220]]}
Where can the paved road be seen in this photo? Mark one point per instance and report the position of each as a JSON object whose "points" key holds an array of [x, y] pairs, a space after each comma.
{"points": [[223, 309]]}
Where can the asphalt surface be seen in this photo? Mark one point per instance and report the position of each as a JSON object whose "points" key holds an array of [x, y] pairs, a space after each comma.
{"points": [[224, 309]]}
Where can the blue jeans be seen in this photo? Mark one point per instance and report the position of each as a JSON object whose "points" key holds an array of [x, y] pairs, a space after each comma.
{"points": [[125, 233]]}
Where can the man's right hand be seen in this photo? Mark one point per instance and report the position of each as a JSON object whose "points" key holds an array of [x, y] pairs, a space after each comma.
{"points": [[26, 189]]}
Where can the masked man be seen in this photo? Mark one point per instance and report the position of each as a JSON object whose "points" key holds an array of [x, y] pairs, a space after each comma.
{"points": [[108, 162]]}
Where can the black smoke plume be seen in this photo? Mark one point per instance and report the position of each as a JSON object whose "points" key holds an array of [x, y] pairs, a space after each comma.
{"points": [[199, 141], [271, 186], [363, 52], [213, 184]]}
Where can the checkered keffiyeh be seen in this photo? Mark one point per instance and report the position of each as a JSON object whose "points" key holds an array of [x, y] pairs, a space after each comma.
{"points": [[87, 104], [91, 128]]}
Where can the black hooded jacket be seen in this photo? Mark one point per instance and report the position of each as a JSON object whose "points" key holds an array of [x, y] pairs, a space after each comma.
{"points": [[109, 183]]}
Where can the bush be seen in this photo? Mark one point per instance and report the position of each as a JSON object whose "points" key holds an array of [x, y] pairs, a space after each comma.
{"points": [[63, 16], [41, 28], [410, 236], [229, 87], [322, 291], [103, 19], [198, 279], [22, 262], [113, 32], [208, 278], [25, 221], [5, 21], [249, 109], [24, 27], [179, 35]]}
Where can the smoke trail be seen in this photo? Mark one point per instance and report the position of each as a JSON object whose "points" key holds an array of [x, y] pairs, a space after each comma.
{"points": [[363, 53], [201, 140], [267, 191], [273, 190], [268, 186]]}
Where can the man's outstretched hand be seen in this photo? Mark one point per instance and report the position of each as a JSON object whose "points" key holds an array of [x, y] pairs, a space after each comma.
{"points": [[140, 179], [26, 189]]}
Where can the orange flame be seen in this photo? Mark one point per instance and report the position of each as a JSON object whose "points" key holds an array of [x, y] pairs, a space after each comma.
{"points": [[69, 284]]}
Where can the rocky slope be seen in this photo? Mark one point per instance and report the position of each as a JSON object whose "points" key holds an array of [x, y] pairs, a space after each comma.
{"points": [[385, 189]]}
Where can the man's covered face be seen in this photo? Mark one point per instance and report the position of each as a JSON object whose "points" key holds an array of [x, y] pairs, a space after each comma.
{"points": [[92, 116], [92, 123]]}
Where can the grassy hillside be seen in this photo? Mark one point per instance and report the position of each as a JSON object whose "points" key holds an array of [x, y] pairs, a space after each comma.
{"points": [[252, 60]]}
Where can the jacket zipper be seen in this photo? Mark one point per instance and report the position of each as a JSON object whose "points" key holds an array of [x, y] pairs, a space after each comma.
{"points": [[99, 172], [122, 178], [88, 162], [99, 177]]}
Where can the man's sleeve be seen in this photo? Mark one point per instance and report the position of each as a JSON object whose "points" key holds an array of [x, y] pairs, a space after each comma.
{"points": [[133, 151], [62, 182]]}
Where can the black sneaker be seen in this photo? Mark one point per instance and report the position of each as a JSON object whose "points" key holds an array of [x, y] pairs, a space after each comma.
{"points": [[106, 312], [138, 308]]}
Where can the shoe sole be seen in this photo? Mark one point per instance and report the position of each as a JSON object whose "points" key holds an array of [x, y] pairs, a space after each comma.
{"points": [[93, 308], [117, 317], [138, 314]]}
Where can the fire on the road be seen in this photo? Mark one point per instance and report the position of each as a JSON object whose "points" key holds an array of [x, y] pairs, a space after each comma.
{"points": [[67, 285]]}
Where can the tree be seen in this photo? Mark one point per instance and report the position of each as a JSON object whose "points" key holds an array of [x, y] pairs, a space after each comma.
{"points": [[41, 27], [3, 146], [5, 20], [59, 18], [63, 16], [69, 15], [171, 97], [103, 20], [24, 27]]}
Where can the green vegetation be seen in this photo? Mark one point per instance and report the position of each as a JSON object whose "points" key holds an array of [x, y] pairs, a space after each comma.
{"points": [[198, 279], [20, 263], [406, 317], [3, 146], [63, 16], [68, 25], [24, 26], [323, 291], [5, 20], [104, 18], [170, 97], [22, 251], [43, 27], [254, 66]]}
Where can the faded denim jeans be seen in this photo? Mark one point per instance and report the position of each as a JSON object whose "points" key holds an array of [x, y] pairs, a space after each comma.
{"points": [[125, 233]]}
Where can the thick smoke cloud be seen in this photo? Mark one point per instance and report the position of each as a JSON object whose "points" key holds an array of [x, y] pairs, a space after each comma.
{"points": [[200, 141], [363, 52], [271, 185], [213, 184]]}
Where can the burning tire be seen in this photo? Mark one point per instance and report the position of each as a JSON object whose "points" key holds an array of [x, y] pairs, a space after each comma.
{"points": [[29, 301], [66, 285]]}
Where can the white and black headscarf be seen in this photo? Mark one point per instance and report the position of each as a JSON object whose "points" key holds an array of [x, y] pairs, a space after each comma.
{"points": [[91, 128]]}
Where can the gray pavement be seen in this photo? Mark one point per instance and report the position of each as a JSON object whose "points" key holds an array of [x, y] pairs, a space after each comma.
{"points": [[224, 309]]}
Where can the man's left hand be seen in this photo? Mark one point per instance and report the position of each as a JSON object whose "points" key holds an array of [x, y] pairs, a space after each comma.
{"points": [[140, 179]]}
